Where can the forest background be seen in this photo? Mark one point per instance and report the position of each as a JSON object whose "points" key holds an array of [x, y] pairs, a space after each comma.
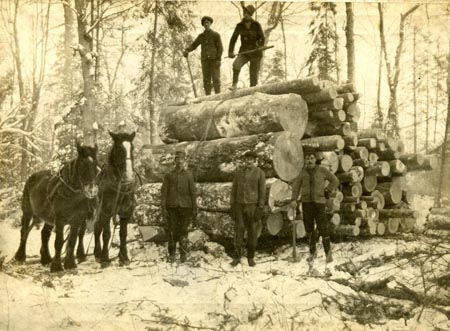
{"points": [[74, 69]]}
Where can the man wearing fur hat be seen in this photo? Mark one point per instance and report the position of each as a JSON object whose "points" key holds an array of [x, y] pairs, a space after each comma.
{"points": [[247, 199], [252, 37], [179, 206], [211, 54], [312, 184]]}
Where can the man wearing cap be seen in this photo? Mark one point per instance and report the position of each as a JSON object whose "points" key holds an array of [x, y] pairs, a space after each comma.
{"points": [[178, 200], [311, 183], [247, 202], [252, 37], [211, 54]]}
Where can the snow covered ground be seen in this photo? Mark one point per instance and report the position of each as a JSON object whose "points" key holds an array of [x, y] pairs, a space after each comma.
{"points": [[206, 293]]}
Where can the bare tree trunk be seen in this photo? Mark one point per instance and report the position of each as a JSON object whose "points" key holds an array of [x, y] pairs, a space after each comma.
{"points": [[285, 49], [393, 73], [436, 102], [151, 93], [379, 118], [445, 143], [85, 48], [349, 35], [415, 90], [68, 42], [427, 111]]}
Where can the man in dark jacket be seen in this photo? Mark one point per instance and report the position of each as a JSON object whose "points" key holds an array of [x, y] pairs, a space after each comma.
{"points": [[178, 199], [311, 184], [211, 54], [252, 37], [247, 202]]}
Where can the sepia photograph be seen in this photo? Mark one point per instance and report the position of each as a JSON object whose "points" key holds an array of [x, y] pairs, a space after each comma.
{"points": [[174, 165]]}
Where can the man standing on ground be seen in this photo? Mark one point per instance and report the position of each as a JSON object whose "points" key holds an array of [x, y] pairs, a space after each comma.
{"points": [[247, 202], [211, 54], [311, 183], [179, 206], [252, 37]]}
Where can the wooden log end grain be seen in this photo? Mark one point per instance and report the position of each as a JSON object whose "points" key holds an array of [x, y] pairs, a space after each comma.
{"points": [[288, 156]]}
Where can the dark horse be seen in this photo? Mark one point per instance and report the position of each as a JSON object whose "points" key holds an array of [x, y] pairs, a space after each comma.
{"points": [[64, 198], [117, 185]]}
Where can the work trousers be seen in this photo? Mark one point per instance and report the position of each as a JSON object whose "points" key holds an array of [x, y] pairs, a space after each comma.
{"points": [[314, 214], [211, 76], [178, 220], [241, 60], [245, 219]]}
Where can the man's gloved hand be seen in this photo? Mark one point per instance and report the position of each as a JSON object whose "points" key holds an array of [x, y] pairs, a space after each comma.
{"points": [[231, 55], [185, 53], [326, 194]]}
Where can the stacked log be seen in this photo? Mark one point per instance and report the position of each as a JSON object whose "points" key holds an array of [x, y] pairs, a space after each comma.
{"points": [[278, 122]]}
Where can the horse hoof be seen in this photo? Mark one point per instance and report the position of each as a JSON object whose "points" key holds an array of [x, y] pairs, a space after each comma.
{"points": [[46, 260], [81, 258], [20, 257], [56, 267], [70, 265]]}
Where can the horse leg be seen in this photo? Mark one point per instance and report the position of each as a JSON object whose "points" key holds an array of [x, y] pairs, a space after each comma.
{"points": [[81, 253], [123, 253], [106, 237], [46, 232], [98, 244], [56, 266], [69, 260], [21, 254]]}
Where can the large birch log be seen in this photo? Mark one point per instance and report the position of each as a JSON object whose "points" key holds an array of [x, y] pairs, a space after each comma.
{"points": [[279, 154], [438, 222], [347, 230], [440, 211], [397, 213], [298, 86], [253, 114], [216, 225]]}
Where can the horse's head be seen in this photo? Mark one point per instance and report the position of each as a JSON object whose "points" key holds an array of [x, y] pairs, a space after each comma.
{"points": [[87, 170], [121, 157]]}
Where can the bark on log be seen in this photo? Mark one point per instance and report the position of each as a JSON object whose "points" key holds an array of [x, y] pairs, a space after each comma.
{"points": [[335, 104], [379, 169], [371, 133], [347, 230], [360, 153], [349, 215], [346, 88], [407, 196], [430, 163], [348, 177], [397, 213], [345, 163], [392, 192], [361, 163], [253, 114], [438, 222], [388, 155], [348, 207], [348, 97], [328, 116], [351, 140], [216, 161], [352, 221], [412, 160], [325, 95], [216, 225], [328, 130], [397, 167], [323, 144], [298, 86], [390, 143], [350, 199], [440, 211], [369, 184], [354, 190], [369, 143]]}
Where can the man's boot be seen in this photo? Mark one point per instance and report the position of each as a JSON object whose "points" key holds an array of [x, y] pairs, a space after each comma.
{"points": [[327, 248], [312, 247], [235, 80], [235, 261], [251, 262]]}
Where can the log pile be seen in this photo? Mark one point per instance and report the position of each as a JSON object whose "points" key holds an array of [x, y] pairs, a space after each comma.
{"points": [[278, 122]]}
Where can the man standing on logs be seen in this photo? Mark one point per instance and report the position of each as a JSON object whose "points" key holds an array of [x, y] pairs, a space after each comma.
{"points": [[211, 54], [311, 183], [179, 203], [247, 202], [252, 37]]}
